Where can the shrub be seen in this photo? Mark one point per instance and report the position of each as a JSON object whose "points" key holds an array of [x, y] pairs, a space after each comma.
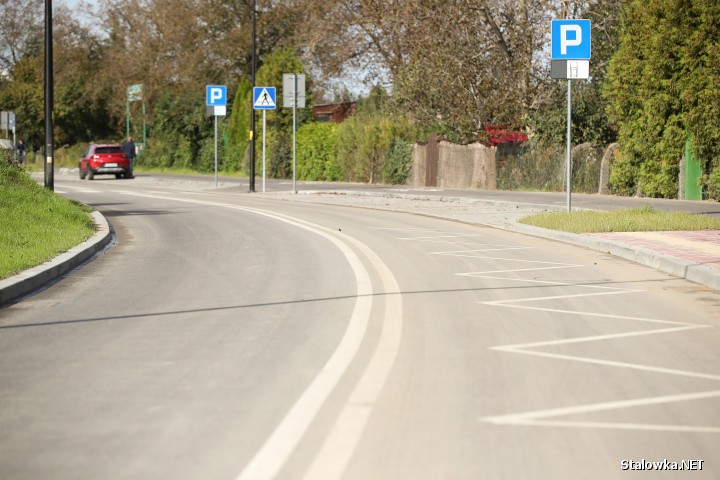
{"points": [[538, 166], [398, 161], [317, 152], [623, 177]]}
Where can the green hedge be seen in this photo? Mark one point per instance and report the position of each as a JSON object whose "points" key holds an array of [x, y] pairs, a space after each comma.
{"points": [[317, 152]]}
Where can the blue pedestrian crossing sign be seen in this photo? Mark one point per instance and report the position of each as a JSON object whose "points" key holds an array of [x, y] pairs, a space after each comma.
{"points": [[264, 98], [570, 39], [216, 95]]}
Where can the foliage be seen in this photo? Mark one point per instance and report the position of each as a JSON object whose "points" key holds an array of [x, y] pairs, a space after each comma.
{"points": [[365, 139], [586, 163], [317, 152], [663, 86], [590, 124], [280, 155], [538, 166], [454, 65], [542, 166], [279, 121], [711, 182], [398, 161], [239, 124]]}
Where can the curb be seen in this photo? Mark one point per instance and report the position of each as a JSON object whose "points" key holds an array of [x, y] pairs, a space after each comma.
{"points": [[25, 282], [659, 261]]}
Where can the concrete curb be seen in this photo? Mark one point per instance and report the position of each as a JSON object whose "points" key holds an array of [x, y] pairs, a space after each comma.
{"points": [[25, 282], [657, 260]]}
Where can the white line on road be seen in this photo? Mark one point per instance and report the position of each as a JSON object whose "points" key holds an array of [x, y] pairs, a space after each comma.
{"points": [[538, 417], [549, 417], [334, 456]]}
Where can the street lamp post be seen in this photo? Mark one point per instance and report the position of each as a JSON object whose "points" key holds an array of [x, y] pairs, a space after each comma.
{"points": [[252, 110], [49, 145]]}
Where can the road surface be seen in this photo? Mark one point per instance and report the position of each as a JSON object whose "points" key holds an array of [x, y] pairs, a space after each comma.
{"points": [[235, 336]]}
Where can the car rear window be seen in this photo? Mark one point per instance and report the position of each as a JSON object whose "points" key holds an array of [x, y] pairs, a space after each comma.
{"points": [[99, 150]]}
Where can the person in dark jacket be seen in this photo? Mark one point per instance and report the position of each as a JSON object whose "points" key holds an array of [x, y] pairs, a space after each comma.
{"points": [[22, 151], [129, 150]]}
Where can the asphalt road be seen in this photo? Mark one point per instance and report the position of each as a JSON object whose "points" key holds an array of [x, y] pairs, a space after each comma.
{"points": [[235, 336], [553, 200]]}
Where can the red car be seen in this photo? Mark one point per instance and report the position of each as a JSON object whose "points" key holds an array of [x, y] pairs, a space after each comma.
{"points": [[104, 159]]}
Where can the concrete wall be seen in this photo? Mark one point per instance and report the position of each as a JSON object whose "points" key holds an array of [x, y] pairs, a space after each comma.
{"points": [[417, 172], [607, 159], [459, 166]]}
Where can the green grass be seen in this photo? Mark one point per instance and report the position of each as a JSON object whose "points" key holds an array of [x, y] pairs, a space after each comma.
{"points": [[36, 224], [644, 219]]}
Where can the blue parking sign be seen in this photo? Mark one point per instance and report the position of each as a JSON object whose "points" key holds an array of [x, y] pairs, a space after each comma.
{"points": [[570, 39], [216, 95]]}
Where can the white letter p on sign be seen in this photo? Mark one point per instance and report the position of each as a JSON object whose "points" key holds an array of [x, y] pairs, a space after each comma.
{"points": [[215, 94], [565, 42]]}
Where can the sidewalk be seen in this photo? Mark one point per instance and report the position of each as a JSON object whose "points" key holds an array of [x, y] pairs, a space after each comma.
{"points": [[693, 255]]}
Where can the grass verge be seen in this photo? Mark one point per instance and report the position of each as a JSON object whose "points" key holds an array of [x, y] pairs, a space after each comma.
{"points": [[644, 219], [36, 224]]}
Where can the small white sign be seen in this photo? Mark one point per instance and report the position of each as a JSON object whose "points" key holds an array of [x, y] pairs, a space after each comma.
{"points": [[289, 94], [218, 111], [570, 69]]}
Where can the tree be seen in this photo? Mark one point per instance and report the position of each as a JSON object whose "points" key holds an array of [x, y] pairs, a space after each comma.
{"points": [[460, 64], [662, 86], [21, 31], [590, 123], [80, 112]]}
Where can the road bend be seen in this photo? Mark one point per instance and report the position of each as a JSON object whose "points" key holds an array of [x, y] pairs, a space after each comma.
{"points": [[228, 335]]}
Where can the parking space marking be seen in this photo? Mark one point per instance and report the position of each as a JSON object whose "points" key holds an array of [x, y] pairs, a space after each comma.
{"points": [[553, 417], [544, 417]]}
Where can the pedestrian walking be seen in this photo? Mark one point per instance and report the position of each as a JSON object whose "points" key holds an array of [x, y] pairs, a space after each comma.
{"points": [[129, 150], [21, 151]]}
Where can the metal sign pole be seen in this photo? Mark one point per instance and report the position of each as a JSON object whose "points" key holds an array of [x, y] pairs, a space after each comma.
{"points": [[295, 97], [264, 125], [569, 143], [216, 162]]}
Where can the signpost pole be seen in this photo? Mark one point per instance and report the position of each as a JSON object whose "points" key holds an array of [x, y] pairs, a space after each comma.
{"points": [[264, 99], [144, 126], [295, 97], [570, 45], [264, 125], [216, 166], [569, 142], [127, 117]]}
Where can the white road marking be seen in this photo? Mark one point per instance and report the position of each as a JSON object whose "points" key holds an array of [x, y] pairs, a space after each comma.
{"points": [[341, 442], [334, 456], [464, 253], [539, 417], [435, 237], [548, 418]]}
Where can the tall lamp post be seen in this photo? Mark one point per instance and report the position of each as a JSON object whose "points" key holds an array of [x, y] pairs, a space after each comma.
{"points": [[252, 110], [49, 145]]}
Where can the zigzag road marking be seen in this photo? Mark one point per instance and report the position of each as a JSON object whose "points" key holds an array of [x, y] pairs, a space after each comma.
{"points": [[540, 417], [550, 417]]}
